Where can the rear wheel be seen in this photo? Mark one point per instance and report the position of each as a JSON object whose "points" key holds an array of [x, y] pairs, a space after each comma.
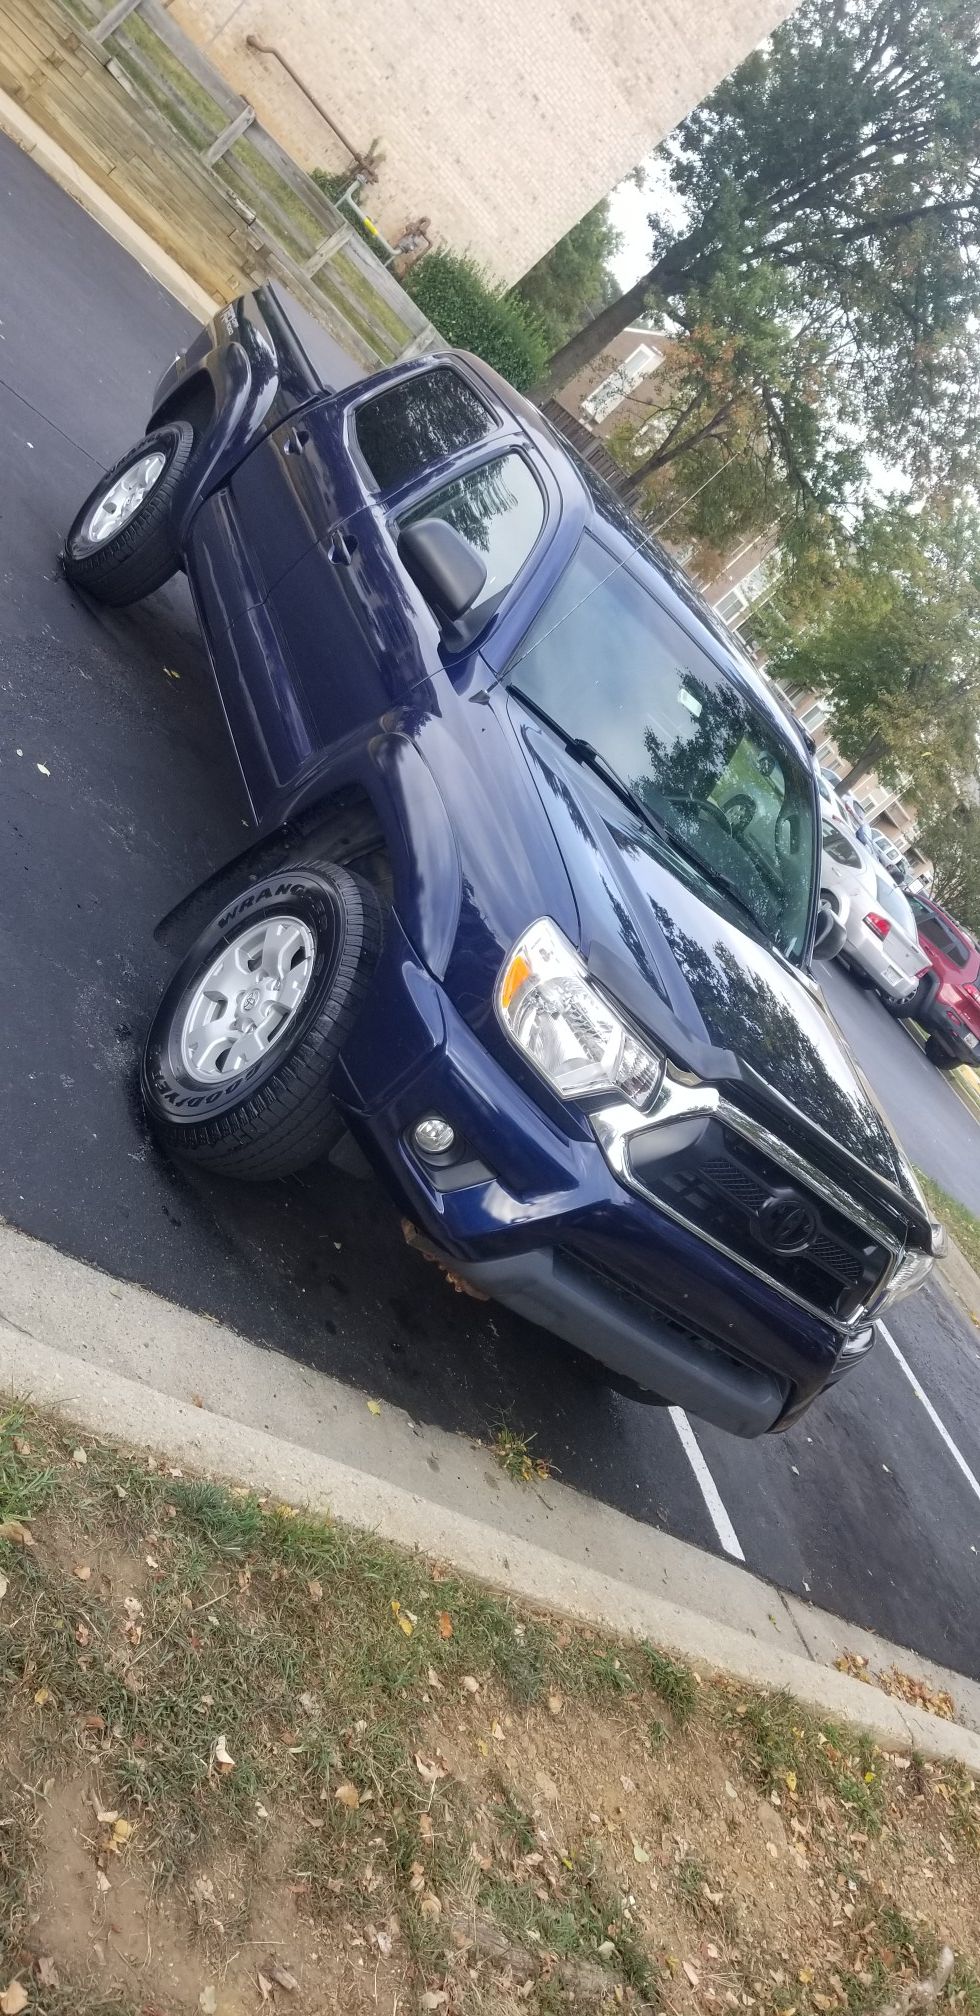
{"points": [[238, 1060], [123, 542], [942, 1058]]}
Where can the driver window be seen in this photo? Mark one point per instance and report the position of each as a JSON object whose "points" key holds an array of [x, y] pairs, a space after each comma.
{"points": [[499, 510]]}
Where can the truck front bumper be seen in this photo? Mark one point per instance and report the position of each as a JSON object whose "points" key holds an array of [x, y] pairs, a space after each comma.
{"points": [[529, 1210]]}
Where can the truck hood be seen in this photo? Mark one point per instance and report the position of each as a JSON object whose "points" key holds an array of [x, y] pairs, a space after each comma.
{"points": [[715, 999]]}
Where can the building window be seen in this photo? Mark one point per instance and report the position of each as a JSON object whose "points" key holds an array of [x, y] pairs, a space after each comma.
{"points": [[815, 715], [732, 606], [620, 383]]}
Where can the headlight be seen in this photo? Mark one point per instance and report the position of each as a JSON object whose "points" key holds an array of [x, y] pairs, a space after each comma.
{"points": [[910, 1273], [551, 1010]]}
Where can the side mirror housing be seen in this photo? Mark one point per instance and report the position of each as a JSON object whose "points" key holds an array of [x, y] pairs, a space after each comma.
{"points": [[830, 934], [441, 564]]}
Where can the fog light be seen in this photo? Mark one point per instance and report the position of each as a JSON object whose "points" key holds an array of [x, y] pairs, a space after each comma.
{"points": [[433, 1135]]}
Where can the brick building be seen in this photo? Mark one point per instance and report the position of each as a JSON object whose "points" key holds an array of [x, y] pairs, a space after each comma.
{"points": [[502, 122]]}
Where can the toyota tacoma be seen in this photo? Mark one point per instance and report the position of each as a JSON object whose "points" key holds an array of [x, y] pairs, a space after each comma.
{"points": [[532, 901]]}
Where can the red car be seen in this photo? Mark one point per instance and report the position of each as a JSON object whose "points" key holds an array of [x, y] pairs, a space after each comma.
{"points": [[946, 1002]]}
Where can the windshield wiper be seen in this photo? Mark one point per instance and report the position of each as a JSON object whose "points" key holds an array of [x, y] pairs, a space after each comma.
{"points": [[585, 752]]}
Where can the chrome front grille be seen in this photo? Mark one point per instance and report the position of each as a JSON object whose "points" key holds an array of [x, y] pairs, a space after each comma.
{"points": [[757, 1208]]}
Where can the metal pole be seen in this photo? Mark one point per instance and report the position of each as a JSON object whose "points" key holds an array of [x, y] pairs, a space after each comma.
{"points": [[362, 161]]}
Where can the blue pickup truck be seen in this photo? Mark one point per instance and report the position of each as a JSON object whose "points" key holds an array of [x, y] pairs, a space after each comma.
{"points": [[532, 901]]}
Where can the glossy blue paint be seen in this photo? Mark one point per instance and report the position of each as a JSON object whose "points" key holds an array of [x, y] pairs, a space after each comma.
{"points": [[335, 677]]}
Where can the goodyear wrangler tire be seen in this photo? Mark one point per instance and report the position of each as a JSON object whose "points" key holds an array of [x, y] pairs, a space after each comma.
{"points": [[123, 542], [237, 1066]]}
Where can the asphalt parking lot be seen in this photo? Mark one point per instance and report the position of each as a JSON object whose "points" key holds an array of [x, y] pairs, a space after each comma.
{"points": [[118, 791]]}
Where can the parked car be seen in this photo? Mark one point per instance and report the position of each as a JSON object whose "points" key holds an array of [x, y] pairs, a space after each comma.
{"points": [[533, 901], [831, 801], [947, 1002], [890, 856], [848, 875], [882, 945]]}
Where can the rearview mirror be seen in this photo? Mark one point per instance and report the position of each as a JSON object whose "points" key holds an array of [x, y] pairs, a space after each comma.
{"points": [[830, 934], [441, 564]]}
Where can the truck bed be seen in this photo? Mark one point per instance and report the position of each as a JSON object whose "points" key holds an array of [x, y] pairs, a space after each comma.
{"points": [[328, 366]]}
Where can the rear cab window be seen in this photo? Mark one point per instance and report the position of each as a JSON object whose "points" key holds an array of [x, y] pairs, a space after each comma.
{"points": [[418, 422]]}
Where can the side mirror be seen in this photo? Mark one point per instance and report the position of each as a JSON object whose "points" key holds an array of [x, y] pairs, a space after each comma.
{"points": [[441, 564], [830, 934]]}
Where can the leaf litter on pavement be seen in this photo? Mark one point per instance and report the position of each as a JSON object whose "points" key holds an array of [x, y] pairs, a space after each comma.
{"points": [[248, 1784]]}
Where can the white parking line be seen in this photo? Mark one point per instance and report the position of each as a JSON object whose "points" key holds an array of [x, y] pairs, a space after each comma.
{"points": [[922, 1395], [709, 1490]]}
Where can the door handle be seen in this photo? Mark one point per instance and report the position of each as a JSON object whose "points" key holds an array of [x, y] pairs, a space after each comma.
{"points": [[341, 551], [295, 442]]}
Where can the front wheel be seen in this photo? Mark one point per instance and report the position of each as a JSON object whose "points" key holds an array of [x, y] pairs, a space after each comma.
{"points": [[238, 1060], [123, 543]]}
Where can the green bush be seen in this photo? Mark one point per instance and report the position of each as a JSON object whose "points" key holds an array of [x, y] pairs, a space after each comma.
{"points": [[473, 314]]}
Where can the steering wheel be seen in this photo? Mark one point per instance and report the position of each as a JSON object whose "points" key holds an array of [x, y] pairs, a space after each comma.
{"points": [[740, 812], [699, 805]]}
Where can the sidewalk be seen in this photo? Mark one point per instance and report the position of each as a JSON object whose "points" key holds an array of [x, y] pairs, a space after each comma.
{"points": [[118, 1360]]}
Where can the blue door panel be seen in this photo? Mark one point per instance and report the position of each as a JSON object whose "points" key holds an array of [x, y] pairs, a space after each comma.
{"points": [[294, 488]]}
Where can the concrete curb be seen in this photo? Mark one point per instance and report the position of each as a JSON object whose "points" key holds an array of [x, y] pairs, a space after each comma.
{"points": [[19, 126], [550, 1549]]}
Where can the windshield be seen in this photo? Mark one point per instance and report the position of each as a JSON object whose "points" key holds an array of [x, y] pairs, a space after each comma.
{"points": [[613, 670]]}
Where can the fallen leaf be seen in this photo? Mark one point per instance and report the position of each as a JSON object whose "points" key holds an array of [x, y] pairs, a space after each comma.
{"points": [[47, 1972], [82, 1572], [15, 1530], [283, 1979], [78, 1456], [469, 1685], [497, 1733], [315, 1591], [640, 1855], [207, 2001], [4, 1585], [445, 1624], [95, 1723], [21, 1448], [262, 1811], [791, 1781], [103, 1881], [373, 1406], [431, 1906], [771, 1849], [606, 1950], [555, 1704], [265, 1987], [692, 1973], [219, 1756], [121, 1830], [42, 1697], [805, 1976], [435, 1998], [416, 1877], [425, 1826], [83, 1635], [349, 1796], [13, 1999], [429, 1769], [132, 1606]]}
